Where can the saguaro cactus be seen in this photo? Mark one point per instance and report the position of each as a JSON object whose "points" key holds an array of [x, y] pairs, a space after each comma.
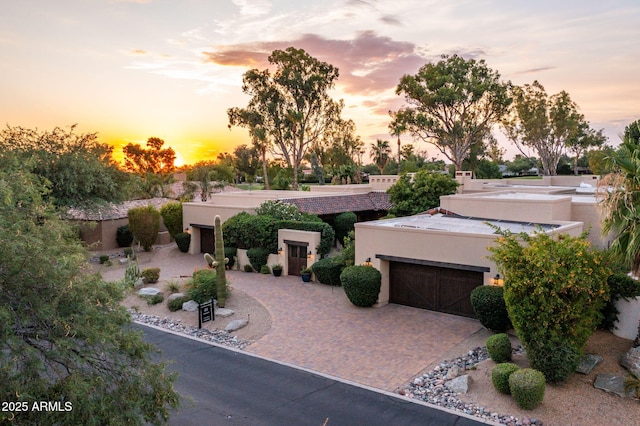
{"points": [[221, 279]]}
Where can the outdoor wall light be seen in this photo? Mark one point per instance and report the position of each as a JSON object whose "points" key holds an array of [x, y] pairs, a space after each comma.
{"points": [[280, 251], [367, 262], [309, 255], [497, 280], [187, 231]]}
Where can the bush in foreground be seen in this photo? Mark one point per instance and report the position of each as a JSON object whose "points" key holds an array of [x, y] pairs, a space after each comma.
{"points": [[361, 284], [499, 348], [328, 270], [151, 275], [527, 387], [500, 376], [203, 285]]}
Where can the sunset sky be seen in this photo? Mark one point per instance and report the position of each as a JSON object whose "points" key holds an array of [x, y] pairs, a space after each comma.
{"points": [[133, 69]]}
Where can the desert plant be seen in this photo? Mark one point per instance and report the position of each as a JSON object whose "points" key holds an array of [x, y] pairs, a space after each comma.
{"points": [[527, 387], [155, 299], [176, 304], [221, 279], [124, 237], [361, 284], [621, 286], [130, 252], [131, 273], [172, 217], [203, 285], [258, 257], [104, 258], [173, 287], [151, 275], [144, 223], [554, 289], [490, 308], [183, 241], [328, 270], [248, 268], [276, 267], [499, 348], [500, 376]]}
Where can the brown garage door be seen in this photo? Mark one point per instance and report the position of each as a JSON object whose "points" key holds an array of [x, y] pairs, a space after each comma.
{"points": [[432, 287]]}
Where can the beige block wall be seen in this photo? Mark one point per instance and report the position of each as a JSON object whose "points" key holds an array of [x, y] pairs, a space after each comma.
{"points": [[438, 246], [587, 212], [518, 209]]}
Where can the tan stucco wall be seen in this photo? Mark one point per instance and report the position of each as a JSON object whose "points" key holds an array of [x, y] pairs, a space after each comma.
{"points": [[537, 209], [432, 245], [309, 237]]}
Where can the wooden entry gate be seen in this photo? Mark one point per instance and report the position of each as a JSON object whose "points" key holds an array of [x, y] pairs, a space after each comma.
{"points": [[296, 257], [433, 287]]}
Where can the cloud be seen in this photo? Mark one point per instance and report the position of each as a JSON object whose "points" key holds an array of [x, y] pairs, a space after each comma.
{"points": [[534, 70], [252, 8], [368, 63], [137, 52]]}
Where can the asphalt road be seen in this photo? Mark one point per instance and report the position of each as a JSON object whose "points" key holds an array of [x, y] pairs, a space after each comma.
{"points": [[224, 387]]}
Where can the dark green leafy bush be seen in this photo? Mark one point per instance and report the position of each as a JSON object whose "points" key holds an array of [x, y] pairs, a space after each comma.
{"points": [[527, 387], [144, 223], [104, 258], [328, 270], [124, 237], [172, 217], [183, 241], [621, 286], [361, 284], [555, 288], [151, 275], [500, 376], [202, 286], [499, 348], [176, 304], [264, 269], [248, 268], [343, 224], [230, 253], [490, 308], [245, 230], [258, 257]]}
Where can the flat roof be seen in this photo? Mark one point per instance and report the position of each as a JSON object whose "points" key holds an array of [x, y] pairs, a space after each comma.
{"points": [[521, 196], [469, 225]]}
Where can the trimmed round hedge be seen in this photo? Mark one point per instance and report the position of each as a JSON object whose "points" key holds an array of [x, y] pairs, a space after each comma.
{"points": [[500, 376], [124, 237], [328, 270], [361, 284], [183, 241], [490, 308], [499, 348], [527, 387]]}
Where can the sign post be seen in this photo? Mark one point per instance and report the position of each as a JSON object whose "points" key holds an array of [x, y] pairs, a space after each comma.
{"points": [[205, 312]]}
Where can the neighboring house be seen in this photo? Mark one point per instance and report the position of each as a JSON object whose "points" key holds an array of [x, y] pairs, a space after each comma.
{"points": [[435, 260], [98, 227]]}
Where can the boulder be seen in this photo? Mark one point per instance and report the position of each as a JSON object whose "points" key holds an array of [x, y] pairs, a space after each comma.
{"points": [[587, 363], [611, 384], [149, 292], [631, 361], [459, 384], [190, 306], [236, 325], [224, 312], [174, 296]]}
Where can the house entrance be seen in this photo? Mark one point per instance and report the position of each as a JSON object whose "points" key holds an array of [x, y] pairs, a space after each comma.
{"points": [[207, 242], [296, 257]]}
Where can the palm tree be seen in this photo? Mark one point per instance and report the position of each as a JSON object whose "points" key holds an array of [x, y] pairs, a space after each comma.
{"points": [[396, 129], [380, 152], [619, 198]]}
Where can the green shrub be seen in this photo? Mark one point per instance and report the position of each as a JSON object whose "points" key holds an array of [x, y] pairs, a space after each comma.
{"points": [[343, 224], [173, 287], [230, 253], [621, 286], [348, 254], [155, 299], [245, 230], [202, 286], [490, 308], [104, 258], [265, 270], [328, 270], [130, 252], [124, 237], [279, 210], [361, 284], [555, 287], [131, 273], [527, 387], [172, 217], [151, 275], [499, 348], [248, 268], [176, 304], [144, 223], [183, 241], [258, 257], [500, 376]]}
